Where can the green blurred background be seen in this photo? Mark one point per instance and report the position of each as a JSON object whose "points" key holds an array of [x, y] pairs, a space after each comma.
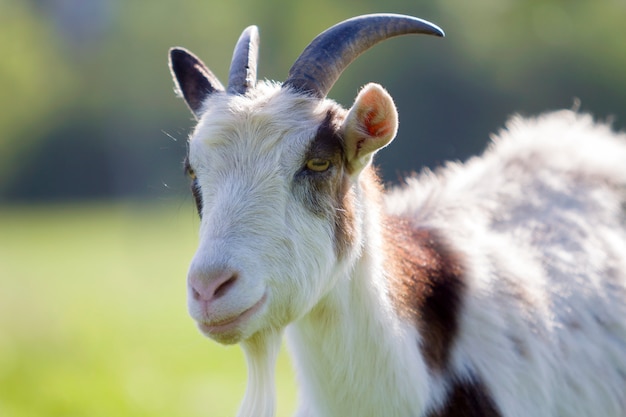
{"points": [[96, 225]]}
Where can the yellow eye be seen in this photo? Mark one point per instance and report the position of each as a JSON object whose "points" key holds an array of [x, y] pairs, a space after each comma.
{"points": [[191, 173], [317, 164]]}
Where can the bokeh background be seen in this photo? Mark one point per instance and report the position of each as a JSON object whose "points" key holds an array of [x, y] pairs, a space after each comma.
{"points": [[96, 224]]}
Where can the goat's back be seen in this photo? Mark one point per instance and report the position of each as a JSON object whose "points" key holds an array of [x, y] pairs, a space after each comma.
{"points": [[540, 222]]}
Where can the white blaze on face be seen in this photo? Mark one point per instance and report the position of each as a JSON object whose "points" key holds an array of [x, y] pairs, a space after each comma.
{"points": [[262, 254]]}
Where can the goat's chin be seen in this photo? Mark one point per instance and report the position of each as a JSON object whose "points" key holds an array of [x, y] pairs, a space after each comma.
{"points": [[227, 338], [234, 329]]}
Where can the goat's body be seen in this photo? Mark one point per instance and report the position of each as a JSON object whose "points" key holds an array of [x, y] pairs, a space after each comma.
{"points": [[538, 223], [494, 288]]}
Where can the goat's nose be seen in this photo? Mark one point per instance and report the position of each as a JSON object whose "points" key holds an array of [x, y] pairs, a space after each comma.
{"points": [[213, 285]]}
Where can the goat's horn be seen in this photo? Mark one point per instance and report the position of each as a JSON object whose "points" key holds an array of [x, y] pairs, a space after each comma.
{"points": [[322, 62], [243, 66]]}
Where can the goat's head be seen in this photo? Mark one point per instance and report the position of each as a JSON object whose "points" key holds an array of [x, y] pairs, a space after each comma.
{"points": [[275, 172]]}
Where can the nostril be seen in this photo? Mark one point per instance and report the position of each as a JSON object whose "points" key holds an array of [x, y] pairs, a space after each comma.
{"points": [[212, 285], [225, 286]]}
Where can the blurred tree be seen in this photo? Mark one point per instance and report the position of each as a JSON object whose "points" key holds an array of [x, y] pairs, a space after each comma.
{"points": [[35, 84], [88, 109]]}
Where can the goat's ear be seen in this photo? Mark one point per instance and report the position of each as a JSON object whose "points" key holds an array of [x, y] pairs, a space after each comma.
{"points": [[371, 124], [193, 80]]}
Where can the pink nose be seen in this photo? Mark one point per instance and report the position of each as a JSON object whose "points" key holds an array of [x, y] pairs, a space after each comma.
{"points": [[213, 285]]}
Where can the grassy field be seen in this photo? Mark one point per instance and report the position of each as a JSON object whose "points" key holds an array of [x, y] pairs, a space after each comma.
{"points": [[93, 317]]}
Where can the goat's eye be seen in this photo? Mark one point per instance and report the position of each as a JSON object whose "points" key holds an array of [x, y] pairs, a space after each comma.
{"points": [[197, 195], [317, 164], [188, 170]]}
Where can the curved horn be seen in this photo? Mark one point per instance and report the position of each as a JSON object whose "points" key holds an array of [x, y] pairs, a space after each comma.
{"points": [[243, 66], [322, 62]]}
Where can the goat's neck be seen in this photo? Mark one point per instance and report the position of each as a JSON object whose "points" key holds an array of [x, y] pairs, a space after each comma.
{"points": [[353, 352]]}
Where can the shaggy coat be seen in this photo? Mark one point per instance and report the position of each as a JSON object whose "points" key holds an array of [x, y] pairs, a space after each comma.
{"points": [[492, 288]]}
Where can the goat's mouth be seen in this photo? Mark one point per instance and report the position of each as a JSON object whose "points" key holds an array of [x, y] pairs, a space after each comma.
{"points": [[228, 328]]}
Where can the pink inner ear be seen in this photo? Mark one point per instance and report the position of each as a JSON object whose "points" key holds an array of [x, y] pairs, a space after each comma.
{"points": [[375, 129], [375, 119], [371, 125]]}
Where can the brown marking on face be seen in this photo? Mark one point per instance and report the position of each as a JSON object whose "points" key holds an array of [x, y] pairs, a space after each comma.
{"points": [[467, 399], [345, 235], [195, 187], [329, 194], [427, 286]]}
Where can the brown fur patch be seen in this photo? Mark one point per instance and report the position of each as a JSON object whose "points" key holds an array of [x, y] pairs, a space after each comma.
{"points": [[467, 399], [345, 235], [329, 193], [427, 286]]}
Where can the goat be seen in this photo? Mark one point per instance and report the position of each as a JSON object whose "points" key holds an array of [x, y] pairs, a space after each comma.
{"points": [[493, 288]]}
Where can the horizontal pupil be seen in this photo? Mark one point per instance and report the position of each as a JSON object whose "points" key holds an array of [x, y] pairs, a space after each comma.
{"points": [[319, 164]]}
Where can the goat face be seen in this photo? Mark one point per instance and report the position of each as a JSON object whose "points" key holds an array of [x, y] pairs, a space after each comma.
{"points": [[276, 178]]}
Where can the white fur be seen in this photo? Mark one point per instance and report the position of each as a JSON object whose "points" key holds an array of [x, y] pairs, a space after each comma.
{"points": [[539, 219]]}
